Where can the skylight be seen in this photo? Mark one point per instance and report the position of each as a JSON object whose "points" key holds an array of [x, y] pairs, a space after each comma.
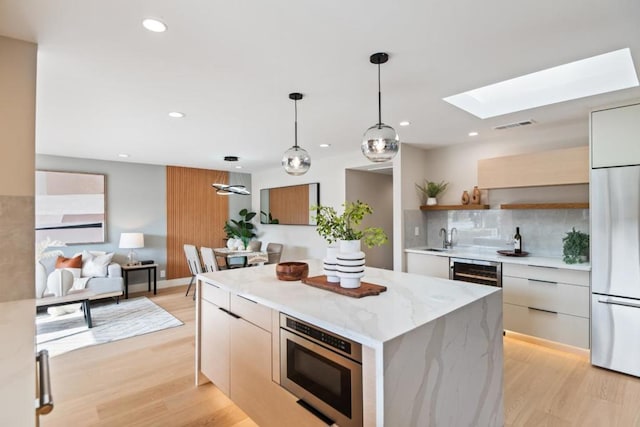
{"points": [[591, 76]]}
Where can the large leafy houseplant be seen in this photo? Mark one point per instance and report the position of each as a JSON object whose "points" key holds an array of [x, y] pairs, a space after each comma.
{"points": [[242, 229], [333, 227], [575, 247]]}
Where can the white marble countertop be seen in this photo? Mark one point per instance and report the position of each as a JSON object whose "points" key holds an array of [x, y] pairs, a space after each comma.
{"points": [[492, 255], [410, 301]]}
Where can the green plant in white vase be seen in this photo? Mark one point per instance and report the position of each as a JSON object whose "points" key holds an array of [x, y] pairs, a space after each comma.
{"points": [[333, 227], [575, 248], [349, 263], [430, 190]]}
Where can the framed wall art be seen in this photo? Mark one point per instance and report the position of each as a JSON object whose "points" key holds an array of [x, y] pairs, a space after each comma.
{"points": [[70, 207]]}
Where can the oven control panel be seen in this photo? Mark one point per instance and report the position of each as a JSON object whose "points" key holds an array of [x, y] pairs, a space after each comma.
{"points": [[317, 334]]}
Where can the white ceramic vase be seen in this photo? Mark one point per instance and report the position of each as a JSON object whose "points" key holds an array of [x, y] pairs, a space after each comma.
{"points": [[330, 265], [432, 201], [350, 263]]}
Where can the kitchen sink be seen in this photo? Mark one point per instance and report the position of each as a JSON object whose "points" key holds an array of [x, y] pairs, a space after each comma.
{"points": [[437, 249]]}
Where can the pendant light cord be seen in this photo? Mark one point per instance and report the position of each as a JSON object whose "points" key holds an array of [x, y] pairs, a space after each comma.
{"points": [[295, 103], [379, 100]]}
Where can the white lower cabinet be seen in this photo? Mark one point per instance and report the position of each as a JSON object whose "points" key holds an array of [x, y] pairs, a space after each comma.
{"points": [[235, 344], [214, 347], [428, 265], [547, 303]]}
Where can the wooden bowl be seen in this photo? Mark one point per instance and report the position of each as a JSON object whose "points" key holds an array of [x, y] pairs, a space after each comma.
{"points": [[292, 270]]}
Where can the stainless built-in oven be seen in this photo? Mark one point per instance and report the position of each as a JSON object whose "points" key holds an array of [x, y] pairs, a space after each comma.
{"points": [[476, 271], [323, 370]]}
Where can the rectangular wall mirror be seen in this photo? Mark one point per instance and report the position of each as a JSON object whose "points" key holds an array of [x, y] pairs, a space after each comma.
{"points": [[289, 205]]}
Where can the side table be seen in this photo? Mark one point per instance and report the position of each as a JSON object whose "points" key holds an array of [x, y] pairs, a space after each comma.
{"points": [[149, 267]]}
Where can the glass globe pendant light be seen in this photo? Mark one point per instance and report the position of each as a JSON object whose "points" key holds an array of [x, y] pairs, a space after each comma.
{"points": [[296, 161], [380, 141]]}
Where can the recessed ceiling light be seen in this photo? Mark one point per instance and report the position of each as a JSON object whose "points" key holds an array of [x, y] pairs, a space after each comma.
{"points": [[473, 133], [123, 155], [154, 25], [591, 76], [238, 167], [176, 114], [325, 145], [405, 123]]}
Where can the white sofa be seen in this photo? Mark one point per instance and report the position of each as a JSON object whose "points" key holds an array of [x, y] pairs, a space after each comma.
{"points": [[52, 282]]}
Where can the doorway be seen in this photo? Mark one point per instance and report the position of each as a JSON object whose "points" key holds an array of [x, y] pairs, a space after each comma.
{"points": [[374, 187]]}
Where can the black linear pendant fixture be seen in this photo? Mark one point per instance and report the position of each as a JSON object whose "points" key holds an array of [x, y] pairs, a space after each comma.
{"points": [[380, 142], [296, 160], [226, 190]]}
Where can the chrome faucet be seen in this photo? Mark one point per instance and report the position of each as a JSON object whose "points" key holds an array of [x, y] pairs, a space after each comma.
{"points": [[448, 237]]}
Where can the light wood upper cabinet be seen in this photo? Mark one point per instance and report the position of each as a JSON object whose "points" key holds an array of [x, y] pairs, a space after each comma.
{"points": [[555, 167], [615, 137]]}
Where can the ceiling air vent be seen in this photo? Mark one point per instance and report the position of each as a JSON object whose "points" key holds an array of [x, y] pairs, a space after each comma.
{"points": [[515, 124]]}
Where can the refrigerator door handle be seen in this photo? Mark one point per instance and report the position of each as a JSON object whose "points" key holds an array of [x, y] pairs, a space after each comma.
{"points": [[617, 302]]}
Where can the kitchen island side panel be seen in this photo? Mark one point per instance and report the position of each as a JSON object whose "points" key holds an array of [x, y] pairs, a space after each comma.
{"points": [[456, 373]]}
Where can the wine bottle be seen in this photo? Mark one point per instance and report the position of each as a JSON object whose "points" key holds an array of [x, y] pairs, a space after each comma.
{"points": [[517, 242]]}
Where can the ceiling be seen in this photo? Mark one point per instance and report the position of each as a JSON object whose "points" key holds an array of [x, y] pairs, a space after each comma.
{"points": [[106, 85]]}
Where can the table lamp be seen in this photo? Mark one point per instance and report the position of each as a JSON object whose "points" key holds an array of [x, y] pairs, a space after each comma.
{"points": [[131, 241]]}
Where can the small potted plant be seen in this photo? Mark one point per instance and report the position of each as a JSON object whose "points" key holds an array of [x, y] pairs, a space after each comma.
{"points": [[575, 247], [430, 190], [349, 264], [241, 230]]}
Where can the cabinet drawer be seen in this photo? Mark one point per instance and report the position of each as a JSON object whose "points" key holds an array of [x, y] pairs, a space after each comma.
{"points": [[251, 311], [575, 277], [215, 295], [552, 296], [428, 265], [571, 330]]}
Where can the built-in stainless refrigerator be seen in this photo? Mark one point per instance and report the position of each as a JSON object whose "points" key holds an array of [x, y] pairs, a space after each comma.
{"points": [[615, 268]]}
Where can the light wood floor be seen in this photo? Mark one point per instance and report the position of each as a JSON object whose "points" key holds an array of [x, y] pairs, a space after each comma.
{"points": [[149, 381]]}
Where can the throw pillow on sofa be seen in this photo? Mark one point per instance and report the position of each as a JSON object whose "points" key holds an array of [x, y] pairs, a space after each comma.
{"points": [[73, 265], [95, 265]]}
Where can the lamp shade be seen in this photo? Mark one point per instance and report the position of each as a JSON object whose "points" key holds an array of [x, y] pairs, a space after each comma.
{"points": [[131, 240]]}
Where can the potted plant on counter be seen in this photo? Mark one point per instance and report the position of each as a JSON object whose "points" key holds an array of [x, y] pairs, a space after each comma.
{"points": [[430, 190], [344, 228], [575, 248]]}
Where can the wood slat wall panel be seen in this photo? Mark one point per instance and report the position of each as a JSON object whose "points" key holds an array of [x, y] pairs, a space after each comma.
{"points": [[195, 214], [290, 205]]}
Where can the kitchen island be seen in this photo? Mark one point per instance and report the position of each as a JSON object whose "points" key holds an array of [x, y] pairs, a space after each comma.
{"points": [[431, 348]]}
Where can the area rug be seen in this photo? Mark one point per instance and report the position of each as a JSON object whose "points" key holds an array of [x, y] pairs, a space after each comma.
{"points": [[111, 322]]}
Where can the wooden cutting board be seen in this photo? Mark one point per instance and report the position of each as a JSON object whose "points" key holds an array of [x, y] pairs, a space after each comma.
{"points": [[365, 289]]}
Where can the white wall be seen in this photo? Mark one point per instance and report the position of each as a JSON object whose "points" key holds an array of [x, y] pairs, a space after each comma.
{"points": [[408, 169], [302, 241]]}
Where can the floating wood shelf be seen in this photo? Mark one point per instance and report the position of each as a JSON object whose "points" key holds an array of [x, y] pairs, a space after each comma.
{"points": [[453, 207], [546, 206]]}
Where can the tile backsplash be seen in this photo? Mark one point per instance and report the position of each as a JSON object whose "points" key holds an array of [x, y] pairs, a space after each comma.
{"points": [[542, 230]]}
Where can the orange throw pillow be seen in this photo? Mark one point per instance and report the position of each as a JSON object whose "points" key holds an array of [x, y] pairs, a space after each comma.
{"points": [[75, 262]]}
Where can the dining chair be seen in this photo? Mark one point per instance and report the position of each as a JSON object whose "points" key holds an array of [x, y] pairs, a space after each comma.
{"points": [[254, 245], [191, 253], [209, 262], [274, 252]]}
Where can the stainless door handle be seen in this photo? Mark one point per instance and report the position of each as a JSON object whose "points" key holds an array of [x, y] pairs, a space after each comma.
{"points": [[614, 302], [540, 309], [44, 402], [229, 313], [548, 282]]}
